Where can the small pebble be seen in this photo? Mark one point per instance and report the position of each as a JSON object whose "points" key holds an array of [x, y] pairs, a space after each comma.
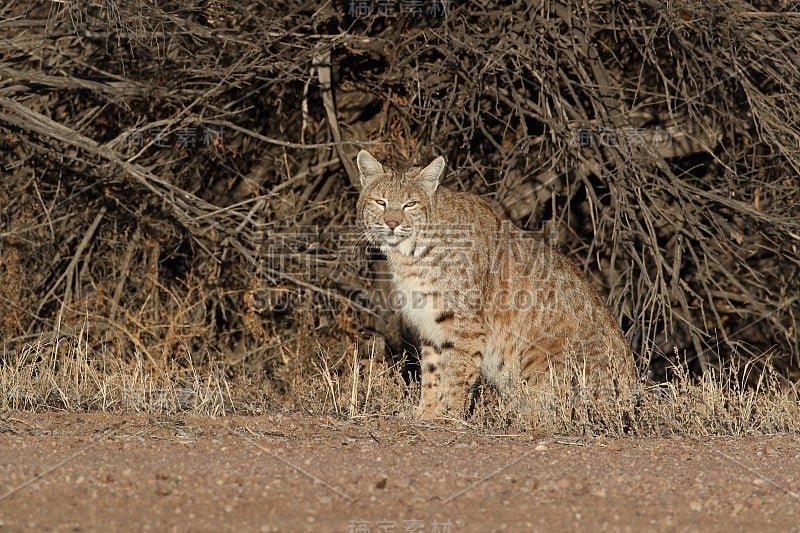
{"points": [[598, 492]]}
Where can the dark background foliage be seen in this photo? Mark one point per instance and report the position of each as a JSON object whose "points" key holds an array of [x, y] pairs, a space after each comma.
{"points": [[178, 179]]}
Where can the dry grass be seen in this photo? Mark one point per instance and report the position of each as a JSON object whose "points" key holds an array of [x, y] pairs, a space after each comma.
{"points": [[66, 375]]}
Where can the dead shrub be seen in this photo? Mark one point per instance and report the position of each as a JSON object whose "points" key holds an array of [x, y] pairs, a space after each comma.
{"points": [[180, 177]]}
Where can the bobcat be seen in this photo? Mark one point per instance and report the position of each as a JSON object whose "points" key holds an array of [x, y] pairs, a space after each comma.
{"points": [[486, 300]]}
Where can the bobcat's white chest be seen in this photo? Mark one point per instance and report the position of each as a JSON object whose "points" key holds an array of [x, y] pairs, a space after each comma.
{"points": [[421, 306]]}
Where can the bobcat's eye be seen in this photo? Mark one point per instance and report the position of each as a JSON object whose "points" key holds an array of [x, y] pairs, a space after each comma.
{"points": [[381, 203], [412, 203]]}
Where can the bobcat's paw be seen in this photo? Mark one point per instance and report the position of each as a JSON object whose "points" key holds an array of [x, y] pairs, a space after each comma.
{"points": [[425, 413]]}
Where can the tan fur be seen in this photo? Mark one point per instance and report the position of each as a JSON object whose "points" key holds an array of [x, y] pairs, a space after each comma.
{"points": [[486, 299]]}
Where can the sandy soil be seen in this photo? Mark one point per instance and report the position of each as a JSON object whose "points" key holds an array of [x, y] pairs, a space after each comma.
{"points": [[301, 473]]}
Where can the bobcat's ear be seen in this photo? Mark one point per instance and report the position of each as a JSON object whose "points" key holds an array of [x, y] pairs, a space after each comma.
{"points": [[368, 168], [430, 175]]}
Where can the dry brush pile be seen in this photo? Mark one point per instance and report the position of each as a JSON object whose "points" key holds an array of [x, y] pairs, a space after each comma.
{"points": [[178, 177]]}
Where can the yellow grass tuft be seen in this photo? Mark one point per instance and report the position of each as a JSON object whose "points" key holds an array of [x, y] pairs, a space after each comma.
{"points": [[64, 374]]}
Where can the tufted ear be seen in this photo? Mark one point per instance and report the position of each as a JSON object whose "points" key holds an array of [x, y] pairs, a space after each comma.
{"points": [[368, 168], [430, 175]]}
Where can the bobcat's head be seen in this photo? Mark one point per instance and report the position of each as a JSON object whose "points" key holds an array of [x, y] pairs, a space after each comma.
{"points": [[394, 206]]}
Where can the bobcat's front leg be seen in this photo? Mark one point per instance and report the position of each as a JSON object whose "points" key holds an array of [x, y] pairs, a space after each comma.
{"points": [[430, 380], [448, 374], [461, 371]]}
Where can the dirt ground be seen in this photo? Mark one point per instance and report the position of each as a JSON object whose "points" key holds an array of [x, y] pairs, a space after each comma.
{"points": [[295, 472]]}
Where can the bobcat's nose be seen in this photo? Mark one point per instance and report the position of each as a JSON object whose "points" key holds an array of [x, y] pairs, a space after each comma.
{"points": [[391, 224]]}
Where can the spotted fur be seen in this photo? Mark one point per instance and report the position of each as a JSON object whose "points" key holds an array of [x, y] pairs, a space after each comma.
{"points": [[486, 299]]}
